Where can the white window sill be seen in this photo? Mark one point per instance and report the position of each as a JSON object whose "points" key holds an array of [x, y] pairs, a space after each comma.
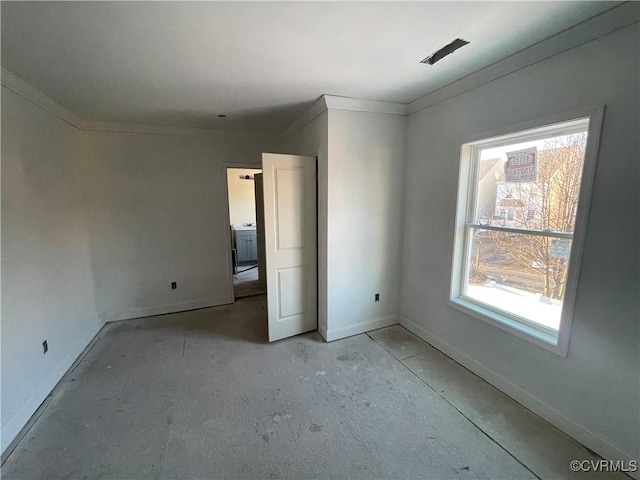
{"points": [[538, 336]]}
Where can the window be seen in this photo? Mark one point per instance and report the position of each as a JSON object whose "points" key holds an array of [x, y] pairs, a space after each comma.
{"points": [[522, 203], [531, 214]]}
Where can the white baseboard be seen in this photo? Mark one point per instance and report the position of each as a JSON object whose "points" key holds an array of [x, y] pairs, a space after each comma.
{"points": [[530, 401], [359, 328], [163, 309], [13, 427]]}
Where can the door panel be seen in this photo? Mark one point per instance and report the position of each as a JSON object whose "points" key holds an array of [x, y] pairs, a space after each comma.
{"points": [[290, 297], [289, 183], [289, 215]]}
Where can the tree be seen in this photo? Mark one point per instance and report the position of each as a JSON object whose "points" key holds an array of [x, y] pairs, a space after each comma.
{"points": [[534, 262]]}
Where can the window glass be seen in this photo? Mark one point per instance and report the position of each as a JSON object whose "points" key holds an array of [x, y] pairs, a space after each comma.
{"points": [[519, 230]]}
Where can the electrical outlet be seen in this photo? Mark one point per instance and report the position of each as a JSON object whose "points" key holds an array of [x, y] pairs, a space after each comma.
{"points": [[174, 285], [377, 297], [45, 347]]}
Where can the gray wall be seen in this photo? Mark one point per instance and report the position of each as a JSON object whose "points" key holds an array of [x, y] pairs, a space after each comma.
{"points": [[365, 197], [47, 287], [157, 213], [361, 159], [595, 390]]}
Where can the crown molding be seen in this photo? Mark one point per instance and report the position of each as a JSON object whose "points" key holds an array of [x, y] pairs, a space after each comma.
{"points": [[315, 110], [117, 127], [616, 18], [20, 87], [335, 102]]}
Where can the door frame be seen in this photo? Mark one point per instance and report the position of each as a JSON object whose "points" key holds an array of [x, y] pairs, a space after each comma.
{"points": [[224, 166], [320, 205]]}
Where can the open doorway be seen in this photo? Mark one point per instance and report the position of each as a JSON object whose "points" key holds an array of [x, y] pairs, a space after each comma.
{"points": [[245, 218], [273, 229]]}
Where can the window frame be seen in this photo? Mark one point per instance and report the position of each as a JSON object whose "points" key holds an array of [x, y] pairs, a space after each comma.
{"points": [[545, 337]]}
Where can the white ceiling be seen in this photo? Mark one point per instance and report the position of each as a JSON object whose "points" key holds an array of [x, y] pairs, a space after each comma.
{"points": [[261, 63]]}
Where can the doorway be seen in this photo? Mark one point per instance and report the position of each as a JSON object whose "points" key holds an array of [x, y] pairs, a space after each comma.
{"points": [[245, 212], [273, 230]]}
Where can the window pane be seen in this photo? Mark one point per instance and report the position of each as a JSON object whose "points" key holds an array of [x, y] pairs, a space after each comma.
{"points": [[532, 185], [518, 273]]}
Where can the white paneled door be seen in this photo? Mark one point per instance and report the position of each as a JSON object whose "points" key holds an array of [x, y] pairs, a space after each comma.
{"points": [[291, 245]]}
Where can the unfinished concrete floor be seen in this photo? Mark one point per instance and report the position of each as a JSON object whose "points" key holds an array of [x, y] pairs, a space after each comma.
{"points": [[201, 394]]}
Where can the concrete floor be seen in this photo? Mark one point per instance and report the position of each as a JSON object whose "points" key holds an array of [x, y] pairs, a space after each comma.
{"points": [[202, 395]]}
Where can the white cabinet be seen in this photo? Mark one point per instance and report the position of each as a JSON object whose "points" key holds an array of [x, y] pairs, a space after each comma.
{"points": [[246, 243]]}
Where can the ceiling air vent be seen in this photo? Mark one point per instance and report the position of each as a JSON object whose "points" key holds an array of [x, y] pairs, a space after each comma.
{"points": [[444, 51]]}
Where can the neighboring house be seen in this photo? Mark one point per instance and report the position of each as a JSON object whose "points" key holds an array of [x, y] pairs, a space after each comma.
{"points": [[517, 205], [504, 204], [547, 203], [508, 209]]}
